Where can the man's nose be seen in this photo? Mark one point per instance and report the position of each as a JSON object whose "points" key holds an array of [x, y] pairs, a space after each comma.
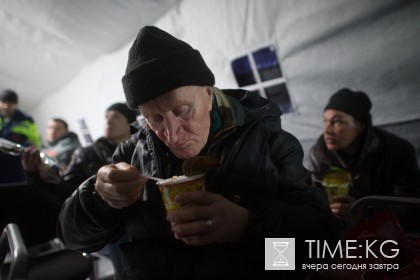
{"points": [[172, 130], [328, 127]]}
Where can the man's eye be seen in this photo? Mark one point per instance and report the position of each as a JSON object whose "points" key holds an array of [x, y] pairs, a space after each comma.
{"points": [[182, 111], [154, 120]]}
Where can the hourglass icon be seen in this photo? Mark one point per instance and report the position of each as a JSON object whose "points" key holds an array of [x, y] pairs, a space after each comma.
{"points": [[280, 247]]}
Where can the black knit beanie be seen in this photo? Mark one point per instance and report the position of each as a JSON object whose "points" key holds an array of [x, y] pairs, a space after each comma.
{"points": [[9, 96], [123, 109], [355, 103], [158, 63]]}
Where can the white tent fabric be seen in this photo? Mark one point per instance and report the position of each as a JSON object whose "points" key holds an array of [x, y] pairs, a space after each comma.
{"points": [[373, 46], [322, 45], [45, 44]]}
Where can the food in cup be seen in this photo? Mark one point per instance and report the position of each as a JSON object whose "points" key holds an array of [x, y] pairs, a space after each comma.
{"points": [[194, 170], [336, 182], [171, 187]]}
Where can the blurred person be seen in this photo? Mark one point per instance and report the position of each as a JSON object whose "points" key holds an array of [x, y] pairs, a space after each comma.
{"points": [[19, 128], [377, 162], [21, 204], [260, 190], [61, 142], [86, 161]]}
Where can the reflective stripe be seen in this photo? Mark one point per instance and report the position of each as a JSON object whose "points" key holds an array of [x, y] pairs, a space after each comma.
{"points": [[30, 130]]}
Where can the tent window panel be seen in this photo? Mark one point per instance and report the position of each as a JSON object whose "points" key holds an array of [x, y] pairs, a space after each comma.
{"points": [[243, 72], [267, 63], [279, 95], [259, 71]]}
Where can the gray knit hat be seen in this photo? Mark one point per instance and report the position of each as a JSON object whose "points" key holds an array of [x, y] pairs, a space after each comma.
{"points": [[355, 103], [158, 63]]}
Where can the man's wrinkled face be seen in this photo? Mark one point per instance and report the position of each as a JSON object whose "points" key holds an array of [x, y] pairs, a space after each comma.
{"points": [[181, 119], [340, 130]]}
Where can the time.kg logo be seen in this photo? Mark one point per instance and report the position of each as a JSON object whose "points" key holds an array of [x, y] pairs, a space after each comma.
{"points": [[279, 254]]}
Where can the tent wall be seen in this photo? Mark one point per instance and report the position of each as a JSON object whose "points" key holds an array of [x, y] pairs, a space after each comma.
{"points": [[44, 44], [322, 45]]}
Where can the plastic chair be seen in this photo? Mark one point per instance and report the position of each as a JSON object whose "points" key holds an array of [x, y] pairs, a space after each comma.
{"points": [[11, 240], [379, 218], [406, 209], [61, 264]]}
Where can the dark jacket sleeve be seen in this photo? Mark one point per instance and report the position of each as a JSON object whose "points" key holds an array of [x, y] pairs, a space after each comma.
{"points": [[87, 222], [77, 170], [406, 170]]}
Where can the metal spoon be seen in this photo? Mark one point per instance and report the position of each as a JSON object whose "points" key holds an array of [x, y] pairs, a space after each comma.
{"points": [[152, 178], [145, 196]]}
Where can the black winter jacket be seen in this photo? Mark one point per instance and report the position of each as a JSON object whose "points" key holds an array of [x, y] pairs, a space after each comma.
{"points": [[86, 161], [261, 169]]}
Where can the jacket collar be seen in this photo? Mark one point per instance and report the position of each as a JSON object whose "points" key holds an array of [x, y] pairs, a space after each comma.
{"points": [[241, 107], [227, 116]]}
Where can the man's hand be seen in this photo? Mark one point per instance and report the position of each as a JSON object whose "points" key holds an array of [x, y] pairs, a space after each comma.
{"points": [[120, 185], [207, 218], [31, 159], [341, 206]]}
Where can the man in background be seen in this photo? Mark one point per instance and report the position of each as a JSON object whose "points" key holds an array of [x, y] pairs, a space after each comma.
{"points": [[377, 162], [19, 128], [61, 142], [86, 161]]}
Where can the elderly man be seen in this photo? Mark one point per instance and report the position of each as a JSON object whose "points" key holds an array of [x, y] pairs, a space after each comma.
{"points": [[258, 191], [376, 161]]}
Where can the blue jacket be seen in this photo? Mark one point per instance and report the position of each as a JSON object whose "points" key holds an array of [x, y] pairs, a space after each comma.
{"points": [[21, 129]]}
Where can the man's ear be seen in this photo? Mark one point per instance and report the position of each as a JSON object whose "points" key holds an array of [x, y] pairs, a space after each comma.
{"points": [[209, 93], [362, 127]]}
